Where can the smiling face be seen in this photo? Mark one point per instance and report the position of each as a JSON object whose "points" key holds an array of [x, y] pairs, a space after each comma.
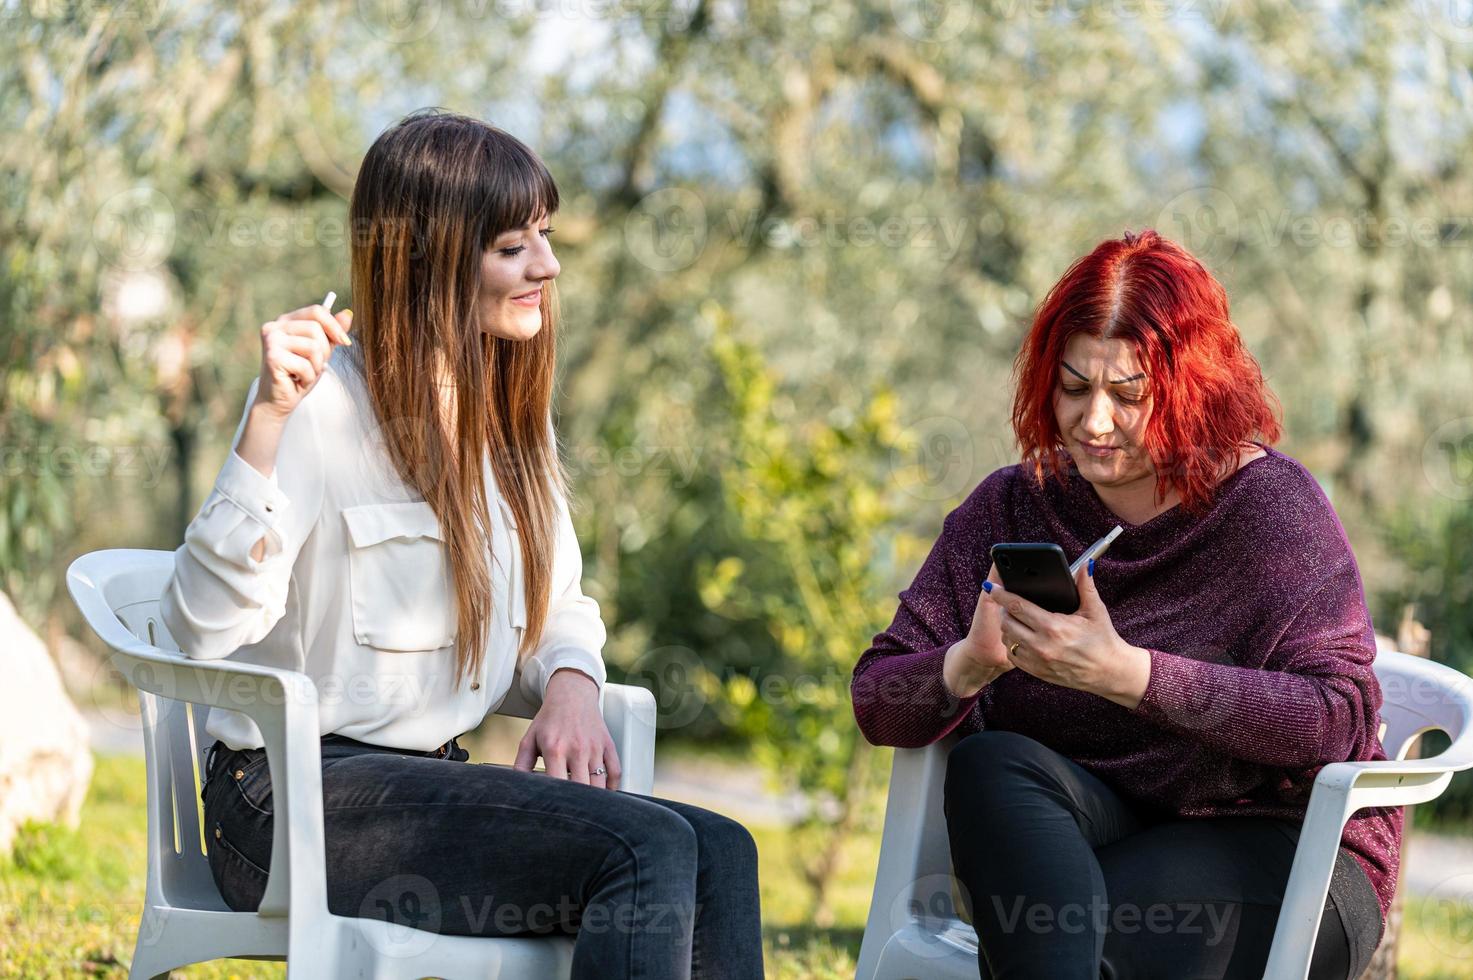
{"points": [[516, 271], [1102, 399]]}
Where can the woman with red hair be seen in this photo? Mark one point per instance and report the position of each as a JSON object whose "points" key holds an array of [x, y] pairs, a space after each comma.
{"points": [[1131, 780]]}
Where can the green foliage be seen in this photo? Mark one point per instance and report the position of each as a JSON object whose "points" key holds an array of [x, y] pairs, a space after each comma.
{"points": [[47, 851], [879, 195], [819, 496], [1435, 545]]}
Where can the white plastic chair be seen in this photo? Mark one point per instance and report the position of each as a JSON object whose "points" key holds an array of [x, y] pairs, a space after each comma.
{"points": [[184, 918], [914, 930]]}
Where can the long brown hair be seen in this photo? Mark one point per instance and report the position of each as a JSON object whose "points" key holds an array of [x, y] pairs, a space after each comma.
{"points": [[432, 194]]}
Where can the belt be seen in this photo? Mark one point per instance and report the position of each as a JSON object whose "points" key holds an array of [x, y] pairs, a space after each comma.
{"points": [[450, 750]]}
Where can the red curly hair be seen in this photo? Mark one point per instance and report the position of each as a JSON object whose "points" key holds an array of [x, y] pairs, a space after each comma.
{"points": [[1207, 391]]}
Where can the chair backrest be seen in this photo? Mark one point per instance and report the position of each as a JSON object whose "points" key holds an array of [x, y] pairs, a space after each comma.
{"points": [[1418, 695], [174, 740]]}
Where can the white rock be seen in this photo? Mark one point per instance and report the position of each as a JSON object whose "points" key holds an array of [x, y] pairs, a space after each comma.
{"points": [[45, 762], [78, 665]]}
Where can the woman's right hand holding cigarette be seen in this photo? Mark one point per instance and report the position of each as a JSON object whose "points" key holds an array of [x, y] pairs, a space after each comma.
{"points": [[294, 351]]}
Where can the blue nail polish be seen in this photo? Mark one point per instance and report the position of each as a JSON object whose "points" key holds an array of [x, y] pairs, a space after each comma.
{"points": [[987, 587], [1091, 568]]}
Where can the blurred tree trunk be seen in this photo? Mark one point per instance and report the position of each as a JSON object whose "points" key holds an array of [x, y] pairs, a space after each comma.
{"points": [[182, 436], [178, 393]]}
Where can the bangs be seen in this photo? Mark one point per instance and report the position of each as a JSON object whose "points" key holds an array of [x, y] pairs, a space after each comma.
{"points": [[516, 187]]}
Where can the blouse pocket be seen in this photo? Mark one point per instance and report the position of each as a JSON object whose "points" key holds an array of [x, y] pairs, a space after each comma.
{"points": [[399, 577]]}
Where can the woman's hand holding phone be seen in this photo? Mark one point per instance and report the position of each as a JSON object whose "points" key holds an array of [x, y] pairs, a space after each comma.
{"points": [[981, 657], [1079, 650]]}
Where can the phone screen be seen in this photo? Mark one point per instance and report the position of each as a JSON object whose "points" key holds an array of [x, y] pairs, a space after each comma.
{"points": [[1039, 572]]}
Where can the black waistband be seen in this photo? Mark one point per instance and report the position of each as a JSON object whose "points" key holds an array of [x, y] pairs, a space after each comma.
{"points": [[451, 750]]}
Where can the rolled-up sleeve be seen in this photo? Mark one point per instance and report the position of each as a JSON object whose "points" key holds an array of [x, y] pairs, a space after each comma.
{"points": [[897, 688], [220, 597], [573, 633]]}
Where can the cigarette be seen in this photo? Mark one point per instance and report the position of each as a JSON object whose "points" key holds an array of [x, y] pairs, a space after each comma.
{"points": [[327, 301], [1095, 550]]}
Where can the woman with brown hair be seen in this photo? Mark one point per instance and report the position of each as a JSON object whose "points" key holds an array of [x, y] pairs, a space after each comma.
{"points": [[393, 522], [1129, 787]]}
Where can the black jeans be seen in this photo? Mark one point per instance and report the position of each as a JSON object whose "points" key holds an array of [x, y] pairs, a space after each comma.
{"points": [[649, 888], [1064, 879]]}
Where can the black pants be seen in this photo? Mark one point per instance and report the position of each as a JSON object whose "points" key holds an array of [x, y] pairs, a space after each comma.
{"points": [[1064, 879], [647, 887]]}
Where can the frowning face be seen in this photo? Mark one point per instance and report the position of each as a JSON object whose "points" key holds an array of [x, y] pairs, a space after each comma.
{"points": [[1102, 402]]}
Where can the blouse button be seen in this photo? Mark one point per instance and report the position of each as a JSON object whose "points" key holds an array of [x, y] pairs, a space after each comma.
{"points": [[268, 508], [475, 685]]}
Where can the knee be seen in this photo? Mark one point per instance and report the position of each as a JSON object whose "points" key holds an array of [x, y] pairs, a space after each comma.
{"points": [[724, 844], [988, 763], [664, 840], [652, 868]]}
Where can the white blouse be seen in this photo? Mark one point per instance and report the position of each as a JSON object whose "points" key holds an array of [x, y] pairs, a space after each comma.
{"points": [[355, 590]]}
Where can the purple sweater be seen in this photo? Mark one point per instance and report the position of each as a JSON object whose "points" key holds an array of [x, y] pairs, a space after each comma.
{"points": [[1254, 614]]}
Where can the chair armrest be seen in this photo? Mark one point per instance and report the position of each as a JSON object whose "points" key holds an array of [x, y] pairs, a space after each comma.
{"points": [[283, 704], [914, 877], [1386, 782], [1340, 789], [1438, 697], [629, 715]]}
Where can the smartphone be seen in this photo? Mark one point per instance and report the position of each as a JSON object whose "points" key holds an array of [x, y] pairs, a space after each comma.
{"points": [[1039, 572]]}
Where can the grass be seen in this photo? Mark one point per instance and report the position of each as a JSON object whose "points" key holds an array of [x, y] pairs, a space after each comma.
{"points": [[1436, 939], [69, 902], [70, 899]]}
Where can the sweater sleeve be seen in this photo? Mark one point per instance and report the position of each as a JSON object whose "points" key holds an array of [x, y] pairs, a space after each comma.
{"points": [[1315, 701], [220, 597], [899, 696]]}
